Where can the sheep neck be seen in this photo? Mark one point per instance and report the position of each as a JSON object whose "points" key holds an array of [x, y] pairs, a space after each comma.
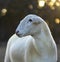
{"points": [[43, 39], [44, 34]]}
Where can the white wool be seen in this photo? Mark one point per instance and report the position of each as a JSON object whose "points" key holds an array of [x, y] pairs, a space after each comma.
{"points": [[35, 43], [10, 42]]}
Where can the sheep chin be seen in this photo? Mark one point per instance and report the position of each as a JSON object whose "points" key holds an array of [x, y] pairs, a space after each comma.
{"points": [[22, 35], [18, 35]]}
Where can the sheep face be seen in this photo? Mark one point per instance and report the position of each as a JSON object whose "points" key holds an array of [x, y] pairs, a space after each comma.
{"points": [[30, 25]]}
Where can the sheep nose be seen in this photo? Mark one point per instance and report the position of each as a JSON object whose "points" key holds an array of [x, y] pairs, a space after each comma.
{"points": [[17, 33]]}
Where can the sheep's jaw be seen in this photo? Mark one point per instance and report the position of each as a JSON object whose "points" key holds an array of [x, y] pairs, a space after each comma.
{"points": [[21, 35]]}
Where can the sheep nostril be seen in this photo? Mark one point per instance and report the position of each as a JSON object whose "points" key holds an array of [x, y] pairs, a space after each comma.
{"points": [[17, 32]]}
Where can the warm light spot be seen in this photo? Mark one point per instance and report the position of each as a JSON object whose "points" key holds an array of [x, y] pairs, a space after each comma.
{"points": [[53, 1], [59, 0], [52, 7], [3, 12], [51, 4], [57, 4], [30, 6], [41, 3], [57, 20]]}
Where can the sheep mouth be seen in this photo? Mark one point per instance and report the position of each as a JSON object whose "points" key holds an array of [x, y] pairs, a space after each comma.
{"points": [[18, 35], [21, 35]]}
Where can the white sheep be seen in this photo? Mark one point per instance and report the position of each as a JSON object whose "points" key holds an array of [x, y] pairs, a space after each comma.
{"points": [[32, 42]]}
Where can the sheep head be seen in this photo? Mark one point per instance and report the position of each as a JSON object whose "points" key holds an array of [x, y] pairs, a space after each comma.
{"points": [[30, 25]]}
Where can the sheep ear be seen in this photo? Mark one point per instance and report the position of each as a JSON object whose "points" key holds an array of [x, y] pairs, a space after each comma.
{"points": [[36, 22]]}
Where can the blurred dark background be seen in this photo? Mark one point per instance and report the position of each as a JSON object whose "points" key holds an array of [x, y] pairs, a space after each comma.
{"points": [[12, 11]]}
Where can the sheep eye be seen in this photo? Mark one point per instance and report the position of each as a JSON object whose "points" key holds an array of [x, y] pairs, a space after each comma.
{"points": [[30, 20]]}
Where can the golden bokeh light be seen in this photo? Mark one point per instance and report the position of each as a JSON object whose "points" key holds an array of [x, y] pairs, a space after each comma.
{"points": [[50, 3], [59, 0], [53, 1], [57, 20], [52, 7], [30, 6], [57, 4], [41, 3], [3, 12]]}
